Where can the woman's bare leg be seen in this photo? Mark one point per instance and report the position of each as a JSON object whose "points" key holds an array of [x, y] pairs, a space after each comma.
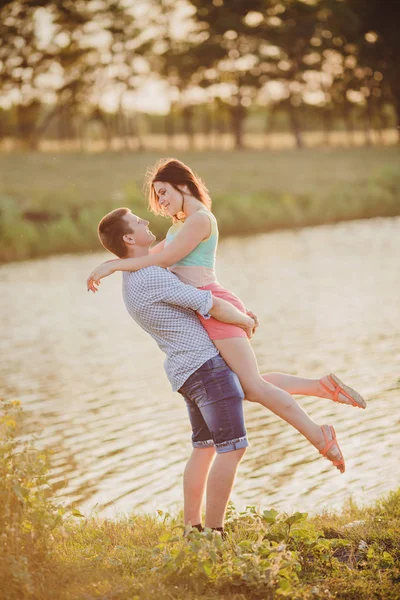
{"points": [[239, 355], [304, 386], [300, 385]]}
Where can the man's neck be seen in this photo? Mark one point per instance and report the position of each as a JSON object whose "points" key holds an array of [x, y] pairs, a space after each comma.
{"points": [[137, 252]]}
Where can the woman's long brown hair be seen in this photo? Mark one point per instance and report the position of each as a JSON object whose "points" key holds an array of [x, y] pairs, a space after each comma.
{"points": [[176, 173]]}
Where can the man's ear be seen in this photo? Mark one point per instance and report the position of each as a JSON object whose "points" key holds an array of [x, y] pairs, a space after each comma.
{"points": [[129, 239]]}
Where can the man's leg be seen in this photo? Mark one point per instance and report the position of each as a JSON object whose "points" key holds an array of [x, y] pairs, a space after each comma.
{"points": [[214, 399], [219, 486], [194, 483]]}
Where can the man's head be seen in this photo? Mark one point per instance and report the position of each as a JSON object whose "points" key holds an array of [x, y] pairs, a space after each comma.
{"points": [[122, 232]]}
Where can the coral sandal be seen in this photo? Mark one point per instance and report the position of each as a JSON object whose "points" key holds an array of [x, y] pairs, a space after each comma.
{"points": [[340, 388], [329, 443]]}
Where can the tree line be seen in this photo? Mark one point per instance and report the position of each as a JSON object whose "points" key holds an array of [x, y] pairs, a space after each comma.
{"points": [[218, 61]]}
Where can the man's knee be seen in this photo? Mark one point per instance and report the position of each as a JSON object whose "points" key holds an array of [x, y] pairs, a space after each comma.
{"points": [[239, 453], [232, 455]]}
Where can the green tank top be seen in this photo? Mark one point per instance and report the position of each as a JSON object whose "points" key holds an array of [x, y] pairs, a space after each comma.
{"points": [[204, 254]]}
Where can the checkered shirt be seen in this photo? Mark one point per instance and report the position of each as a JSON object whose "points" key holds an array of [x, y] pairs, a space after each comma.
{"points": [[165, 308]]}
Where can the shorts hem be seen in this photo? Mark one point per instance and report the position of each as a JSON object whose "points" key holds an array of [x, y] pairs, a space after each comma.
{"points": [[227, 335], [232, 445], [203, 444]]}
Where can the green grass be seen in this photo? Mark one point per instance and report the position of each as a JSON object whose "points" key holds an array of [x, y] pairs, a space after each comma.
{"points": [[48, 551], [51, 203]]}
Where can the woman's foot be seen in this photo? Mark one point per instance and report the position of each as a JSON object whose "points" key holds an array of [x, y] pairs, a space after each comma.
{"points": [[337, 391], [329, 447]]}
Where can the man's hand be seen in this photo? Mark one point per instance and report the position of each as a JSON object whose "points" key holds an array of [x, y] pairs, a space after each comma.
{"points": [[255, 319], [103, 270], [227, 313], [250, 326]]}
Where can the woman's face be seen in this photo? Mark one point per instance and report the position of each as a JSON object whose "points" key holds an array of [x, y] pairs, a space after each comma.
{"points": [[169, 198]]}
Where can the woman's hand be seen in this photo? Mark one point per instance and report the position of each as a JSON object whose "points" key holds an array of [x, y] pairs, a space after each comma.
{"points": [[103, 270]]}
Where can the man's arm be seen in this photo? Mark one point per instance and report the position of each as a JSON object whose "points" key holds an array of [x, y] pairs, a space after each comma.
{"points": [[169, 289], [227, 313]]}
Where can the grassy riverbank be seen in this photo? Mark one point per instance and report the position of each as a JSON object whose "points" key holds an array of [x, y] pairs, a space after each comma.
{"points": [[52, 203], [47, 551]]}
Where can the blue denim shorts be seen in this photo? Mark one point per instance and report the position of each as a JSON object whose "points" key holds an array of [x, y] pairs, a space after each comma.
{"points": [[214, 399]]}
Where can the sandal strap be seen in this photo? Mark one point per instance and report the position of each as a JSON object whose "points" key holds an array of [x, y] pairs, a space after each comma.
{"points": [[326, 387], [327, 447], [337, 390], [329, 443]]}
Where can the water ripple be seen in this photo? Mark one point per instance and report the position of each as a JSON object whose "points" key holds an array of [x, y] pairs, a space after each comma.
{"points": [[327, 299]]}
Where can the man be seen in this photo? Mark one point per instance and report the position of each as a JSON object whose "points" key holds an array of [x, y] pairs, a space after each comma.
{"points": [[166, 308]]}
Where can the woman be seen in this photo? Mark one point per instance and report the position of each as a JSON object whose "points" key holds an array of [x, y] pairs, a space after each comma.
{"points": [[189, 251]]}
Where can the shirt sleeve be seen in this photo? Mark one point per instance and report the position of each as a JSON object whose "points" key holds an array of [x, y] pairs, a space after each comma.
{"points": [[166, 287]]}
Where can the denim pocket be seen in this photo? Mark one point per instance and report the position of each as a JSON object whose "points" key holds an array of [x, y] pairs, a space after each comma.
{"points": [[194, 390], [215, 378], [211, 383]]}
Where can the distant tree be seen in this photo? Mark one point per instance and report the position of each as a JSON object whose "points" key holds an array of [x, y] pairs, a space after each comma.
{"points": [[22, 62], [181, 61], [72, 69], [179, 65], [228, 53], [379, 43]]}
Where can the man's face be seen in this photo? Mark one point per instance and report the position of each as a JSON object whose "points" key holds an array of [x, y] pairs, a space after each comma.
{"points": [[141, 233], [168, 197]]}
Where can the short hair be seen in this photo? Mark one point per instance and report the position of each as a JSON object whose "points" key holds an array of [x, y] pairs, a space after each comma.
{"points": [[111, 230]]}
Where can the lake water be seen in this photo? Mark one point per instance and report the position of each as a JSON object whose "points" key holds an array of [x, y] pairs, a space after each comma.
{"points": [[328, 299]]}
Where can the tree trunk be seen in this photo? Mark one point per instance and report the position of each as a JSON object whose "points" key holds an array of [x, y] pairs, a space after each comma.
{"points": [[269, 125], [220, 123], [238, 114], [379, 123], [348, 123], [134, 132], [60, 123], [41, 127], [295, 125], [397, 108], [27, 120], [207, 127], [121, 126], [368, 122], [81, 132], [395, 89], [327, 121], [169, 123], [187, 115], [106, 123]]}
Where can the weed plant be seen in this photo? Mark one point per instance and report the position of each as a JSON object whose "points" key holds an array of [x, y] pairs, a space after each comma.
{"points": [[48, 551]]}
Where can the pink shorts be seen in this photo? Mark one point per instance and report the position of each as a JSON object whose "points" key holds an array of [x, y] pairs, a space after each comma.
{"points": [[216, 329]]}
